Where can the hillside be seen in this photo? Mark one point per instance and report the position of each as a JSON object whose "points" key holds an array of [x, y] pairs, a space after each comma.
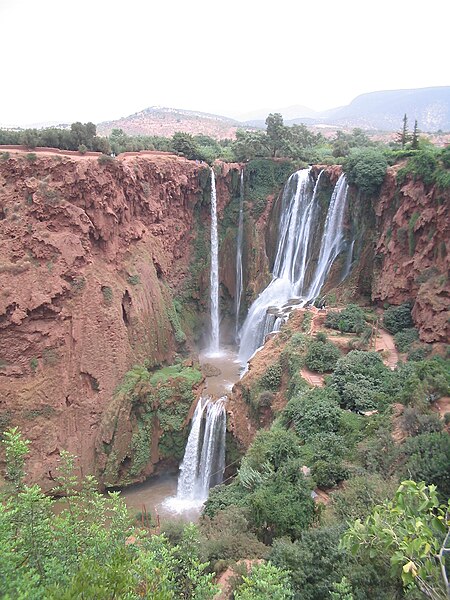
{"points": [[385, 110], [167, 121]]}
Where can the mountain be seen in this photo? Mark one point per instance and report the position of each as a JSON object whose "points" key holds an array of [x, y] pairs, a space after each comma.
{"points": [[385, 110], [165, 122]]}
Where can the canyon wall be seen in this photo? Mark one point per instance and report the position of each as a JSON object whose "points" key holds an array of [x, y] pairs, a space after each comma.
{"points": [[94, 253]]}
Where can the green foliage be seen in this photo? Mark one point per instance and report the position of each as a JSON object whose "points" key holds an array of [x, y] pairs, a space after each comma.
{"points": [[426, 457], [312, 413], [362, 381], [418, 353], [227, 537], [366, 168], [107, 294], [134, 279], [411, 237], [342, 590], [349, 320], [31, 157], [396, 318], [16, 450], [222, 496], [404, 338], [271, 380], [82, 550], [265, 582], [421, 166], [322, 356], [409, 532], [174, 317]]}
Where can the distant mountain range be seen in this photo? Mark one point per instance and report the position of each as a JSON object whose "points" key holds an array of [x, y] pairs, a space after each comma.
{"points": [[376, 111]]}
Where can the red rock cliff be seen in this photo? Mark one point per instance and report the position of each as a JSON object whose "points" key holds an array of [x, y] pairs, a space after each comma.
{"points": [[92, 253], [412, 259]]}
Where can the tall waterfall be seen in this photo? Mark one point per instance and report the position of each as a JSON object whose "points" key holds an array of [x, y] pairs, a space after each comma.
{"points": [[204, 457], [293, 276], [214, 277], [239, 243]]}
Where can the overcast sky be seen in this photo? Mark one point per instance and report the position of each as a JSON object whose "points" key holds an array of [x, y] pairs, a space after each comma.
{"points": [[95, 60]]}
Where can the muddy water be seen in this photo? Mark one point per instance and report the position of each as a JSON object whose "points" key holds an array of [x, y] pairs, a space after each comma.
{"points": [[152, 493]]}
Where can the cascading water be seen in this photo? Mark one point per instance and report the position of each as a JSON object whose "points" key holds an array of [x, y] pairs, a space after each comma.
{"points": [[333, 236], [214, 278], [296, 252], [204, 457], [239, 243]]}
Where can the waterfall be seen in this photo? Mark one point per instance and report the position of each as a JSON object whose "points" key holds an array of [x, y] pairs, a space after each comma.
{"points": [[204, 457], [333, 236], [293, 276], [239, 243], [214, 278], [348, 262]]}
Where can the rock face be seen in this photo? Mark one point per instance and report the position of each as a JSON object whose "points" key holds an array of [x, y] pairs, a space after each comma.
{"points": [[93, 253], [412, 259]]}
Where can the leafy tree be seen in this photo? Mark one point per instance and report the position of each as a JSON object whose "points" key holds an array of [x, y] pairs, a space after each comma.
{"points": [[411, 532], [185, 144], [265, 582], [342, 590], [349, 320], [426, 457], [366, 169], [277, 134], [396, 318], [313, 412], [322, 356]]}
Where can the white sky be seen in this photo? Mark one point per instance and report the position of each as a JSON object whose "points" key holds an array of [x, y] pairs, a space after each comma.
{"points": [[95, 60]]}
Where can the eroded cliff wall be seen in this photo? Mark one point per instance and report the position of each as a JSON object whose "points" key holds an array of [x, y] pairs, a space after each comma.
{"points": [[93, 254]]}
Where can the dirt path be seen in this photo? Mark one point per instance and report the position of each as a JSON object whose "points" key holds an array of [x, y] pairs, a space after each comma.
{"points": [[314, 379], [385, 343], [442, 406]]}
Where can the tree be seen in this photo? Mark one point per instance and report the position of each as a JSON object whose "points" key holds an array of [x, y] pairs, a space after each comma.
{"points": [[415, 137], [412, 533], [277, 134], [265, 582], [366, 168], [403, 136]]}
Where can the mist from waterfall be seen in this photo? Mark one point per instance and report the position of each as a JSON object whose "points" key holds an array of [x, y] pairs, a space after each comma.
{"points": [[239, 244], [293, 274], [214, 276]]}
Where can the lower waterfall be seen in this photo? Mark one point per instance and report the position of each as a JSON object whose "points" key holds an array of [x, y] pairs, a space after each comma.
{"points": [[204, 457]]}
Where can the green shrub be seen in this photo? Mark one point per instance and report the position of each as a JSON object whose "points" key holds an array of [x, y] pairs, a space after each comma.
{"points": [[82, 149], [134, 279], [362, 381], [366, 168], [265, 582], [349, 320], [313, 412], [322, 357], [421, 166], [404, 338], [105, 159], [107, 294], [426, 457], [31, 157], [418, 353], [4, 155], [271, 380], [396, 318]]}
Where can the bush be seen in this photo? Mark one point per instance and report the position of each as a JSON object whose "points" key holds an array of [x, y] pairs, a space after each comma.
{"points": [[265, 582], [366, 168], [322, 357], [362, 381], [312, 413], [418, 353], [397, 318], [415, 423], [404, 338], [426, 457], [271, 380], [349, 320]]}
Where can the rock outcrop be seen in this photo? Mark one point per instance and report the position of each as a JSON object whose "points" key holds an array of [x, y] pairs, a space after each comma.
{"points": [[412, 258]]}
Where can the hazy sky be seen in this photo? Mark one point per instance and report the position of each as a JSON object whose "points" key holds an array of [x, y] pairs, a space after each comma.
{"points": [[95, 60]]}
